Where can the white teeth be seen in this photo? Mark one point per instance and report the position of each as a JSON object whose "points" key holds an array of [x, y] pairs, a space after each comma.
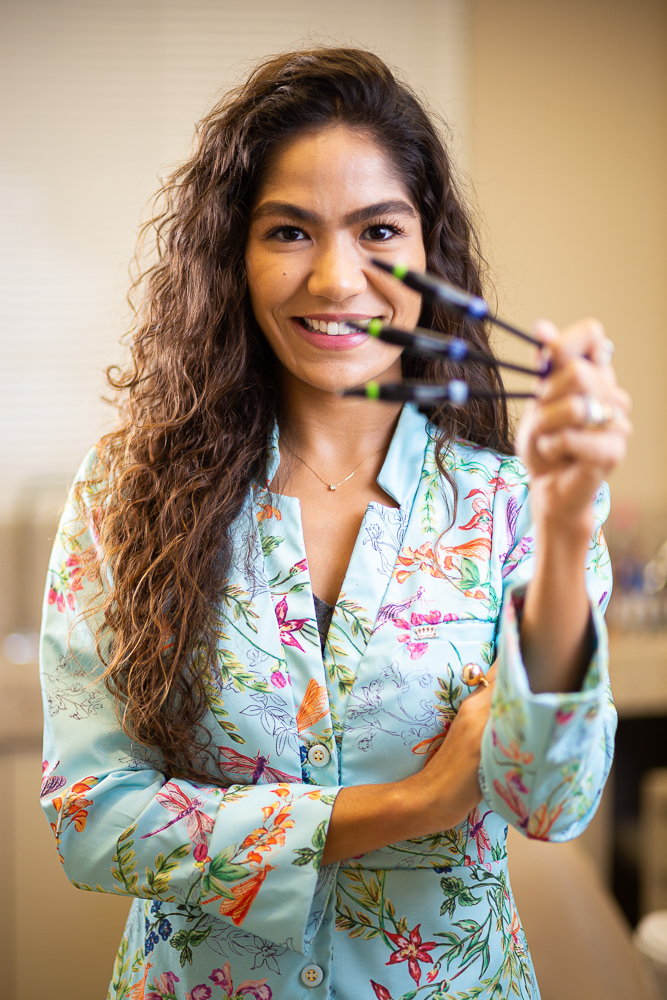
{"points": [[331, 329]]}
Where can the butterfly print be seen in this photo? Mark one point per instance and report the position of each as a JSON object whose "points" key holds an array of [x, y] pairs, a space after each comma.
{"points": [[314, 706]]}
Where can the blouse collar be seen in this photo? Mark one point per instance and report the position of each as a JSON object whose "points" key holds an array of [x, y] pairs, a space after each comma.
{"points": [[401, 470]]}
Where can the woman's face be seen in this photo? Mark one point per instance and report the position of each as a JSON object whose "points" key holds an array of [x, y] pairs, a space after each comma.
{"points": [[329, 202]]}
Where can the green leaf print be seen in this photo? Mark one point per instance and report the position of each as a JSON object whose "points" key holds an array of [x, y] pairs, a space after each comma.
{"points": [[353, 613], [270, 543], [126, 860], [428, 509], [231, 669], [469, 574], [217, 707], [456, 892], [184, 941], [240, 605], [120, 978], [221, 870], [308, 855], [157, 879]]}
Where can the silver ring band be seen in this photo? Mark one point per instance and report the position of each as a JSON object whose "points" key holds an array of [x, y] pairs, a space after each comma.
{"points": [[598, 414]]}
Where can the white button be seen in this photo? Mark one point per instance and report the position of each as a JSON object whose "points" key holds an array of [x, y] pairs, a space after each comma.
{"points": [[318, 756], [312, 976]]}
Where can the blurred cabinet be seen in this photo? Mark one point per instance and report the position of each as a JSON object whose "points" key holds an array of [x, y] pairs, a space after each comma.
{"points": [[55, 941]]}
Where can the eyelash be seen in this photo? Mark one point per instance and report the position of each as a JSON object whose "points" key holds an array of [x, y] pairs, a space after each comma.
{"points": [[395, 228]]}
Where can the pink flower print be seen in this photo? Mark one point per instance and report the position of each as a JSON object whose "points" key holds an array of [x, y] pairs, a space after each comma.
{"points": [[381, 992], [432, 618], [52, 596], [201, 992], [416, 649], [223, 978], [511, 792], [288, 627], [60, 602], [302, 565], [278, 679], [564, 714], [256, 988], [200, 852], [411, 950], [163, 987]]}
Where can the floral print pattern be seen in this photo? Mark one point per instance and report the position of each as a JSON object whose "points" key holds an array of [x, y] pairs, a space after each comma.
{"points": [[229, 896]]}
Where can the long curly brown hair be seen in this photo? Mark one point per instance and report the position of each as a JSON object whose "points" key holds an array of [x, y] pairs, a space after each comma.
{"points": [[199, 398]]}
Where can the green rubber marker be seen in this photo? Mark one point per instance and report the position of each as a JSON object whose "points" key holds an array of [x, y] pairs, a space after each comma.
{"points": [[374, 328], [373, 390], [399, 271]]}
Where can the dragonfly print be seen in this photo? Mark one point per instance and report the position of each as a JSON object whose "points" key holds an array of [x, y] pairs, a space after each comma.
{"points": [[254, 769], [479, 835], [176, 801], [388, 612]]}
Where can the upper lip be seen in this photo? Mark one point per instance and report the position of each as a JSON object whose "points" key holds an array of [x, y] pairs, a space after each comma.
{"points": [[338, 317]]}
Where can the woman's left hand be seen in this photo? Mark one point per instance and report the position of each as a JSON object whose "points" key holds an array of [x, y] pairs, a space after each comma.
{"points": [[575, 432]]}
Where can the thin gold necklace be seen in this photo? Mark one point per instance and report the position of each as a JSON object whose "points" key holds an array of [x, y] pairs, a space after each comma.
{"points": [[332, 486]]}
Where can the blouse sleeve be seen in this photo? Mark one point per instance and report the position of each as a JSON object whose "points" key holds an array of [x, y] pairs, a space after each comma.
{"points": [[247, 854], [545, 757]]}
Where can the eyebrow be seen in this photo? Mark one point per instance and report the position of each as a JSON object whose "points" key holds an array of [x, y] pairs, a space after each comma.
{"points": [[396, 206]]}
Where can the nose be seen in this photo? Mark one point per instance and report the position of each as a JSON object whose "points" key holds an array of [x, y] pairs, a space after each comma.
{"points": [[337, 272]]}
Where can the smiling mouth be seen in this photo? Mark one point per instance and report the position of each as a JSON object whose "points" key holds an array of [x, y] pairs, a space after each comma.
{"points": [[332, 329]]}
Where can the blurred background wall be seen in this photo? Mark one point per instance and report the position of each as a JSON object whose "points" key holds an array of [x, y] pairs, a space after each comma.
{"points": [[558, 116]]}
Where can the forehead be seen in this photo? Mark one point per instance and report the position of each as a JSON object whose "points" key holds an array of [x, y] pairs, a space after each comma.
{"points": [[331, 171]]}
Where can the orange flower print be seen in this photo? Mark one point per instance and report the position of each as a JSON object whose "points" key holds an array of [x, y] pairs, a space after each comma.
{"points": [[267, 511], [513, 752], [74, 807], [483, 516]]}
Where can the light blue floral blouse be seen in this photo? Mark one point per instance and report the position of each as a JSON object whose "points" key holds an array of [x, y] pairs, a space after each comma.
{"points": [[230, 898]]}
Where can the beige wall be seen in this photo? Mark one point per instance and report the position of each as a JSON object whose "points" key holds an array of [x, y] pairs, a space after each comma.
{"points": [[568, 106], [569, 160]]}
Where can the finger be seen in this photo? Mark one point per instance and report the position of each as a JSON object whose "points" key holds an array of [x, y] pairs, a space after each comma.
{"points": [[603, 450], [489, 677], [583, 377], [574, 410], [584, 339]]}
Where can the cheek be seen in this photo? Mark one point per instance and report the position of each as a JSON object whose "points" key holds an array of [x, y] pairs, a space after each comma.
{"points": [[271, 280]]}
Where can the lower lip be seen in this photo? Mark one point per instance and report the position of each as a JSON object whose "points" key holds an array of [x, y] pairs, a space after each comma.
{"points": [[344, 342]]}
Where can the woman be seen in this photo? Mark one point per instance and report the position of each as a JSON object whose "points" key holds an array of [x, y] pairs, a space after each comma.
{"points": [[269, 603]]}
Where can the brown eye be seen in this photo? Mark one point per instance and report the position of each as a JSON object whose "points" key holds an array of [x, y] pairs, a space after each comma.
{"points": [[287, 234], [380, 233]]}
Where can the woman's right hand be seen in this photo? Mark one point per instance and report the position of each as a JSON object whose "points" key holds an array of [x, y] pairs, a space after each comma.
{"points": [[450, 777], [439, 797]]}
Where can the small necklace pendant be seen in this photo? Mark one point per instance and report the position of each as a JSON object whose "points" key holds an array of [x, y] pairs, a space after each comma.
{"points": [[332, 487]]}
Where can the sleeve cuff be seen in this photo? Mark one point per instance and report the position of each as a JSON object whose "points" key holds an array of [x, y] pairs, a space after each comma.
{"points": [[540, 767], [270, 881]]}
